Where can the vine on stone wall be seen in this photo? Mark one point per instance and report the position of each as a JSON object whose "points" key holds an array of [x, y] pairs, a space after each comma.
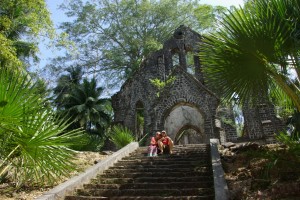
{"points": [[160, 85]]}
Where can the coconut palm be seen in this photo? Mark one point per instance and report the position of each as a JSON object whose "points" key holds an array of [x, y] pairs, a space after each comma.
{"points": [[65, 84], [34, 142], [86, 108], [254, 51]]}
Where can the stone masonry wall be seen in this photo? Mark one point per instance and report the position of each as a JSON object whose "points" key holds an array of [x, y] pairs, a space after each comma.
{"points": [[188, 90]]}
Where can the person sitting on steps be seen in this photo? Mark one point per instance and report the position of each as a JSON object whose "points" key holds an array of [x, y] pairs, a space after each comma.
{"points": [[165, 144], [153, 147]]}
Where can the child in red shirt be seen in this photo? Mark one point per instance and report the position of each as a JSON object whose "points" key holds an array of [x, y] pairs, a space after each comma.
{"points": [[164, 142]]}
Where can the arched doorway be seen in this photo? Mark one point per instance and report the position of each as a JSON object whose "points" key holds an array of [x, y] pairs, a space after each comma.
{"points": [[185, 119], [139, 120], [190, 135]]}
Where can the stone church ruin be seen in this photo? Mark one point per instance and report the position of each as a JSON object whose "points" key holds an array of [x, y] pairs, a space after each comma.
{"points": [[186, 108]]}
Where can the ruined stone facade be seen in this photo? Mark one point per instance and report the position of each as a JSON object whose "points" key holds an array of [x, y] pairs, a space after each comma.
{"points": [[185, 108]]}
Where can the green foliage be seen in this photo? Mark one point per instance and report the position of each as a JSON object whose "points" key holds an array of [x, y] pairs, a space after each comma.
{"points": [[228, 121], [160, 85], [253, 51], [82, 102], [278, 160], [114, 37], [294, 145], [65, 84], [34, 142], [121, 136], [144, 140], [293, 123], [92, 142], [21, 22], [140, 121], [208, 16]]}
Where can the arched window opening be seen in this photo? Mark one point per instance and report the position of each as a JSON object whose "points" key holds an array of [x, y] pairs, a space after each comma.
{"points": [[139, 120], [175, 57], [160, 60], [190, 63], [238, 119]]}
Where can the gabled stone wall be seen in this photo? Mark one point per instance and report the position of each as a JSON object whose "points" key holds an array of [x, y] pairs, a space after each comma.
{"points": [[186, 104]]}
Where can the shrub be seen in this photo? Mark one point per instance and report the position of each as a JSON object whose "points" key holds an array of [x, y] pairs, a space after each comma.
{"points": [[121, 136]]}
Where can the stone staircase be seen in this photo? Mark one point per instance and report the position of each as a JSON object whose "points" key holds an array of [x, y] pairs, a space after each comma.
{"points": [[186, 174]]}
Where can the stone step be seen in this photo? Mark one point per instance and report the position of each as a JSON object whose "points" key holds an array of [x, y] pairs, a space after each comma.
{"points": [[149, 197], [142, 170], [188, 146], [170, 185], [178, 154], [152, 180], [162, 158], [166, 157], [163, 162], [145, 192], [166, 167], [155, 174], [175, 152], [177, 149], [186, 174]]}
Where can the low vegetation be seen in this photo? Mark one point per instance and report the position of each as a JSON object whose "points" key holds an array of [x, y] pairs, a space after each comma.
{"points": [[121, 136], [254, 171]]}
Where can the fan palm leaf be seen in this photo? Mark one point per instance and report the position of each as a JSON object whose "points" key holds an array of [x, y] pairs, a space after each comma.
{"points": [[252, 52], [34, 142]]}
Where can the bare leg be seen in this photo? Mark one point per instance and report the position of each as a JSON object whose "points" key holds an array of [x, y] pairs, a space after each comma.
{"points": [[154, 151], [160, 146], [171, 145]]}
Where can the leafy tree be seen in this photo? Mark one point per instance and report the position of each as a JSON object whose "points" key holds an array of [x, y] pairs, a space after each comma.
{"points": [[34, 142], [85, 105], [114, 37], [208, 17], [254, 52], [65, 84], [82, 102], [21, 22]]}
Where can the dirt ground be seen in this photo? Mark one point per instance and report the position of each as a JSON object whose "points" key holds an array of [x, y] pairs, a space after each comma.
{"points": [[83, 160], [250, 176]]}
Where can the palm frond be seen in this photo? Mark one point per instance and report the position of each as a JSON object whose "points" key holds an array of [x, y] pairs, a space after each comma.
{"points": [[253, 45], [34, 141], [121, 136]]}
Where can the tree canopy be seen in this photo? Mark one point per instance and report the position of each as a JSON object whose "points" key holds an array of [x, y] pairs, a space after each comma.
{"points": [[114, 37], [79, 99], [21, 22]]}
